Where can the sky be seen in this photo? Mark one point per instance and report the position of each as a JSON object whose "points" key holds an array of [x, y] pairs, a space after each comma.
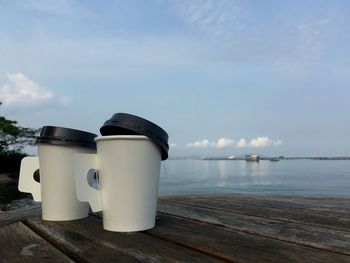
{"points": [[222, 77]]}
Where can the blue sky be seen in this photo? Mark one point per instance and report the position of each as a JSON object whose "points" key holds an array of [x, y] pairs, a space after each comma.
{"points": [[222, 77]]}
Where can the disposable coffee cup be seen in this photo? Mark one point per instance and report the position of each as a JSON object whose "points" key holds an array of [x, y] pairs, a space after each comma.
{"points": [[122, 179], [56, 189], [126, 188]]}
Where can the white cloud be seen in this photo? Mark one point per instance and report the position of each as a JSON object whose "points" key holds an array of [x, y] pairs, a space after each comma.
{"points": [[242, 143], [173, 145], [224, 143], [198, 144], [258, 142], [219, 144], [22, 91]]}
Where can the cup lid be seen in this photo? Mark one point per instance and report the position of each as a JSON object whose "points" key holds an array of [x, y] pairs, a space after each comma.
{"points": [[128, 124], [66, 136]]}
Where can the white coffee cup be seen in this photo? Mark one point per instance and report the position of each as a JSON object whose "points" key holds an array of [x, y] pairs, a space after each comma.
{"points": [[56, 189], [128, 168]]}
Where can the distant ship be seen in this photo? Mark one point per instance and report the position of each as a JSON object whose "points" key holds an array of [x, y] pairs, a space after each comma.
{"points": [[252, 158], [274, 159]]}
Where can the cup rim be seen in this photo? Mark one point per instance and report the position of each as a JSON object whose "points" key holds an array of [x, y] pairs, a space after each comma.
{"points": [[121, 137], [128, 124], [56, 135]]}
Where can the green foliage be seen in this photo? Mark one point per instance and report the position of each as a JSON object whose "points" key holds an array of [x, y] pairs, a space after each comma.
{"points": [[14, 138]]}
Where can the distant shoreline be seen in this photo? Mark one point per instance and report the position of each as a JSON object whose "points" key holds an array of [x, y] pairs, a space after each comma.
{"points": [[319, 158]]}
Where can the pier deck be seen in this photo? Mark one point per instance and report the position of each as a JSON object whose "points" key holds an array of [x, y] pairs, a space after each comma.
{"points": [[228, 228]]}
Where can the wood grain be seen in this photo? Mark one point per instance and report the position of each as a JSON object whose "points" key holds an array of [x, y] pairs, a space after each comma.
{"points": [[20, 244], [85, 241], [12, 216], [317, 237], [308, 215], [237, 246], [231, 228]]}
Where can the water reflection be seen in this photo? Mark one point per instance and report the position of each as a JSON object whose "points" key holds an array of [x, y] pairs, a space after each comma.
{"points": [[257, 169], [242, 168], [224, 171], [243, 173], [203, 176], [196, 173]]}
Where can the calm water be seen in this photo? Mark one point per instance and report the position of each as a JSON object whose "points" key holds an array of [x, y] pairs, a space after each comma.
{"points": [[296, 177], [289, 177]]}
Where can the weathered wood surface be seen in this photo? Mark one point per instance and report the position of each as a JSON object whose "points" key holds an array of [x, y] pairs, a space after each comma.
{"points": [[328, 239], [20, 244], [86, 241], [11, 216], [230, 228], [316, 215], [236, 246]]}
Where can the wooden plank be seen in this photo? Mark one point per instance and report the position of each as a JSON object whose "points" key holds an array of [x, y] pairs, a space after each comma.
{"points": [[237, 246], [341, 203], [85, 240], [323, 238], [308, 215], [338, 202], [335, 217], [12, 216], [339, 206], [20, 244]]}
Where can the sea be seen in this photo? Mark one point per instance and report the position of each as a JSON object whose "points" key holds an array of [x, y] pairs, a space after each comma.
{"points": [[190, 177], [285, 177]]}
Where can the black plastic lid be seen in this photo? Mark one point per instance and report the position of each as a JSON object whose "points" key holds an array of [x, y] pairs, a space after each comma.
{"points": [[66, 136], [127, 124]]}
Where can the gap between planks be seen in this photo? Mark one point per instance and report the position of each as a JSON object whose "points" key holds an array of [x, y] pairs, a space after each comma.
{"points": [[192, 203], [218, 222], [193, 248]]}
